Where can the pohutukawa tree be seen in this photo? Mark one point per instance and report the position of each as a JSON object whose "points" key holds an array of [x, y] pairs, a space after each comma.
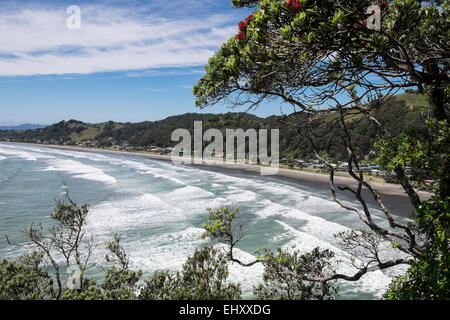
{"points": [[335, 62]]}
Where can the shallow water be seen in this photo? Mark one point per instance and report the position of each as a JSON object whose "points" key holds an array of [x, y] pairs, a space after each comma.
{"points": [[158, 209]]}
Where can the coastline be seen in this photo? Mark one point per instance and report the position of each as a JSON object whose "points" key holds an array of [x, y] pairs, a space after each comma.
{"points": [[392, 195]]}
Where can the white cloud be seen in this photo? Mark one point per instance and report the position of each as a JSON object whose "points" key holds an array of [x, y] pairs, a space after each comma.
{"points": [[36, 41]]}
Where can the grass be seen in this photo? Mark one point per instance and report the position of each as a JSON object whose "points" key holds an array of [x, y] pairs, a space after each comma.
{"points": [[413, 99], [88, 134], [91, 132]]}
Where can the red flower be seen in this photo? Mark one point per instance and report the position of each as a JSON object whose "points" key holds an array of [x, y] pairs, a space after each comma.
{"points": [[365, 22], [201, 79], [243, 25], [240, 35], [250, 17], [294, 5]]}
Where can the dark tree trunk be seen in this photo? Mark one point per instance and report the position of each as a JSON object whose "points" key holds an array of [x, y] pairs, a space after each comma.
{"points": [[439, 102]]}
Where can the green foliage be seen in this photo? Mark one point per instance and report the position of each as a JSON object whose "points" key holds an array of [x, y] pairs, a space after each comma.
{"points": [[308, 54], [423, 150], [162, 285], [69, 215], [120, 282], [219, 223], [89, 290], [426, 151], [285, 272], [280, 42], [24, 280], [203, 277], [429, 277]]}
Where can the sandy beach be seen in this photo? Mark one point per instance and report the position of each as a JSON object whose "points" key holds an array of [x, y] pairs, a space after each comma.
{"points": [[393, 195]]}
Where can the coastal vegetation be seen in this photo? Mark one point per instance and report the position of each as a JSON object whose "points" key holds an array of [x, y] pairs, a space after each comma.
{"points": [[335, 67], [54, 267], [56, 261], [339, 77]]}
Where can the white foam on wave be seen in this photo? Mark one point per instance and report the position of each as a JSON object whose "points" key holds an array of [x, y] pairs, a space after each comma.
{"points": [[296, 197], [193, 199], [375, 282], [304, 199], [309, 201], [2, 158], [139, 166], [238, 195], [306, 242], [23, 154], [145, 169], [248, 277], [128, 214], [79, 170], [316, 226], [173, 208], [68, 153], [216, 185], [167, 251], [223, 178]]}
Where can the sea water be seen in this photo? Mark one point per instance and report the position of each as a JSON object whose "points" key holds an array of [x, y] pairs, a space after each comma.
{"points": [[158, 209]]}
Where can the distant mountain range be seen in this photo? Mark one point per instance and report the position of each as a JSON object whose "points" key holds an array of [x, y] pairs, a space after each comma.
{"points": [[25, 126], [400, 114]]}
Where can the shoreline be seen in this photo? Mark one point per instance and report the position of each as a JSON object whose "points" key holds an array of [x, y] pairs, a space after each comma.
{"points": [[393, 194]]}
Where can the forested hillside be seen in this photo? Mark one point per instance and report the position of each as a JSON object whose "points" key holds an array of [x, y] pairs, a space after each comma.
{"points": [[401, 113]]}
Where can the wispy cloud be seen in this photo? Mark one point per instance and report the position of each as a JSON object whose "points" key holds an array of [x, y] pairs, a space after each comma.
{"points": [[35, 40], [164, 72], [185, 86], [154, 89]]}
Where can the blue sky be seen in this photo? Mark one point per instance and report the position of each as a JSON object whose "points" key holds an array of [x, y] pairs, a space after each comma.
{"points": [[130, 61]]}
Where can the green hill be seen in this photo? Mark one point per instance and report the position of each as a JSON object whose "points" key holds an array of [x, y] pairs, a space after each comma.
{"points": [[401, 113]]}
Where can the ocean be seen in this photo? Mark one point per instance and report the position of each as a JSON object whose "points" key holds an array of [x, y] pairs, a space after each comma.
{"points": [[158, 209]]}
